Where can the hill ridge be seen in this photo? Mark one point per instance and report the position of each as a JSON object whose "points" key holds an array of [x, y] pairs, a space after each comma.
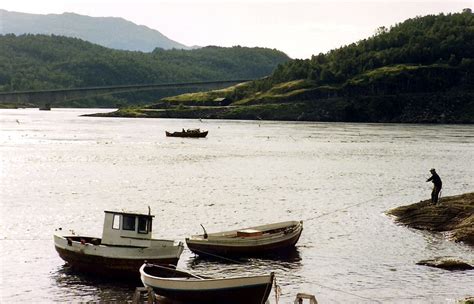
{"points": [[112, 32]]}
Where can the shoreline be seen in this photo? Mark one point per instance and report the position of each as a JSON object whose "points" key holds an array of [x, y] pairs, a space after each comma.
{"points": [[215, 113], [453, 216]]}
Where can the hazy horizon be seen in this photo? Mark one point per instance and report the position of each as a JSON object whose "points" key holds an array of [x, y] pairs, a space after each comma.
{"points": [[298, 28]]}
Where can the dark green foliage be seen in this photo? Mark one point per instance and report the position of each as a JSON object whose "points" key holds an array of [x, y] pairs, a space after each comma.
{"points": [[423, 54], [447, 39], [421, 70], [36, 62]]}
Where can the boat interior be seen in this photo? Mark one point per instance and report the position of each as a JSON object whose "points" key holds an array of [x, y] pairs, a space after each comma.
{"points": [[84, 240], [170, 272], [260, 231]]}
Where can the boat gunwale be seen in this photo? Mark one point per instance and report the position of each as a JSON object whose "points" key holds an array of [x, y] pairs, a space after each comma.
{"points": [[240, 242], [231, 235], [130, 252], [205, 279], [64, 236]]}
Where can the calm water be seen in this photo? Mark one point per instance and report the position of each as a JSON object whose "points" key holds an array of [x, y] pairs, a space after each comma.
{"points": [[62, 170]]}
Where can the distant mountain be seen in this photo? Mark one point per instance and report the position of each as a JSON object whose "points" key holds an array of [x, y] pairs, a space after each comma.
{"points": [[111, 32]]}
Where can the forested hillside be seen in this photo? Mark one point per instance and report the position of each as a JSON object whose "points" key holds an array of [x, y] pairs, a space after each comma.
{"points": [[441, 39], [35, 62], [421, 70]]}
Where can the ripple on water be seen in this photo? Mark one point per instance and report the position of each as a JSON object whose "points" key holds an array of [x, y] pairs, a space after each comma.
{"points": [[62, 170]]}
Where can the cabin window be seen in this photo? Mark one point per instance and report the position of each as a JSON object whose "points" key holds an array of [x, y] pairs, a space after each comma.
{"points": [[142, 225], [116, 221], [128, 222]]}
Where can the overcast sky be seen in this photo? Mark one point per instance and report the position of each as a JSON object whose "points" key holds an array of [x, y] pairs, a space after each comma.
{"points": [[298, 28]]}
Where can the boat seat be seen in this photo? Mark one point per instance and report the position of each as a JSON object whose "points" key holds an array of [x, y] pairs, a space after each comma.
{"points": [[249, 233]]}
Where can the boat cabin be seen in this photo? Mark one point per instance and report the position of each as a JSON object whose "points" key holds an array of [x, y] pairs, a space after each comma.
{"points": [[126, 229]]}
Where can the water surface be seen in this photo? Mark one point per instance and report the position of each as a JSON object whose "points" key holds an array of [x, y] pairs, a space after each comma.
{"points": [[59, 169]]}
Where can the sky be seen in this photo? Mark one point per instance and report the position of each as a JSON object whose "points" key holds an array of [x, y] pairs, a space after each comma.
{"points": [[300, 28]]}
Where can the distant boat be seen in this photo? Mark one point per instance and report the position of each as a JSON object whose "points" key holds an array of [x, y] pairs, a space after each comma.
{"points": [[46, 107], [250, 241], [196, 133], [125, 245], [186, 287]]}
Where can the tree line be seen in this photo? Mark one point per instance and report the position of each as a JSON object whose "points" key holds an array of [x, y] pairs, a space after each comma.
{"points": [[39, 62], [421, 41]]}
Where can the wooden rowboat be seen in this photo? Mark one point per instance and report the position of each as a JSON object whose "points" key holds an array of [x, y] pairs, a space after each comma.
{"points": [[195, 133], [253, 241], [125, 245], [186, 287]]}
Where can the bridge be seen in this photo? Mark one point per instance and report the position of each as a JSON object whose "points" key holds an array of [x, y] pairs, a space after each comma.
{"points": [[61, 95]]}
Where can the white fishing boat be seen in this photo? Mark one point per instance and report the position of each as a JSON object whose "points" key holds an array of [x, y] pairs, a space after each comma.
{"points": [[186, 287], [251, 241], [125, 245]]}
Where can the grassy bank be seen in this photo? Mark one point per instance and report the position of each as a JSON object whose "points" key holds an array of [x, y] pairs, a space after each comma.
{"points": [[445, 107]]}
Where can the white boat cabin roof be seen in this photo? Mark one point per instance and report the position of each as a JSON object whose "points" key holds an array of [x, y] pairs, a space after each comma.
{"points": [[129, 213]]}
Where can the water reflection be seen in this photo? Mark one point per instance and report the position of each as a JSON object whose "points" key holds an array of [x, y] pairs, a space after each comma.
{"points": [[91, 288], [290, 255], [69, 283], [278, 262]]}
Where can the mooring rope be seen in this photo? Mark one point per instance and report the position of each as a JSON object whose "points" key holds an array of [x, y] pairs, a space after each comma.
{"points": [[262, 301], [276, 286], [310, 219], [219, 256], [349, 293]]}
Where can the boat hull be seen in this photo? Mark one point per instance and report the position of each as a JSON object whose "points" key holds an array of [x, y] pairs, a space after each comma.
{"points": [[187, 134], [113, 261], [110, 267], [219, 246], [248, 295], [249, 290]]}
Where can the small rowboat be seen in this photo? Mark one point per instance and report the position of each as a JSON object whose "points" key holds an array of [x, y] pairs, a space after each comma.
{"points": [[250, 241], [195, 133], [186, 287]]}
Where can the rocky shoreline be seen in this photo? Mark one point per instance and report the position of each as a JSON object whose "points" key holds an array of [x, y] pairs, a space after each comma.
{"points": [[445, 108], [453, 216]]}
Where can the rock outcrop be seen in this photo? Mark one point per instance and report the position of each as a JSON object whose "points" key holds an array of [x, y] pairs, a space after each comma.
{"points": [[453, 215], [447, 263]]}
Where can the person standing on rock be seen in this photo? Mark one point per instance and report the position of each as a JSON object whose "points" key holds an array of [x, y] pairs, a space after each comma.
{"points": [[437, 184]]}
